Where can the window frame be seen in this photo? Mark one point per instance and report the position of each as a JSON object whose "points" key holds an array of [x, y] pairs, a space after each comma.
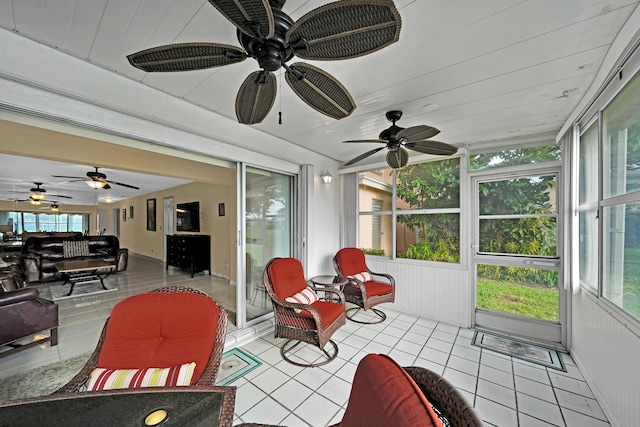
{"points": [[594, 114]]}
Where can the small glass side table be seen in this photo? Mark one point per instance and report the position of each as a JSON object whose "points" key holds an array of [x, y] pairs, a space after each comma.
{"points": [[329, 281]]}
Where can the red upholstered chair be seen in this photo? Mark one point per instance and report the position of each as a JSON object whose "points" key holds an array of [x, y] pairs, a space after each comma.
{"points": [[366, 288], [165, 328], [312, 322], [385, 394]]}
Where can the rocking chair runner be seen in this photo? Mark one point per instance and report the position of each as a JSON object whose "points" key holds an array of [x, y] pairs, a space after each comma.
{"points": [[313, 323], [366, 288]]}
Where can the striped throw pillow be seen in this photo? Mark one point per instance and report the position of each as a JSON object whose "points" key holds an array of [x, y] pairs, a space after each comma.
{"points": [[305, 296], [108, 379], [363, 277]]}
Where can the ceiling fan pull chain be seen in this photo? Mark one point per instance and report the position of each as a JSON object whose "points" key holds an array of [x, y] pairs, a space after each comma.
{"points": [[280, 95]]}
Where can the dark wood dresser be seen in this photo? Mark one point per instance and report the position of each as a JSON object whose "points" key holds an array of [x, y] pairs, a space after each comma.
{"points": [[189, 252]]}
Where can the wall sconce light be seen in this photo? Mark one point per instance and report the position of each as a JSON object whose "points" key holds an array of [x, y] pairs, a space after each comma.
{"points": [[326, 177]]}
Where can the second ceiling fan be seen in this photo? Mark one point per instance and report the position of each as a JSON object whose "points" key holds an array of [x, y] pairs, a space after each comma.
{"points": [[95, 179], [397, 139], [339, 30]]}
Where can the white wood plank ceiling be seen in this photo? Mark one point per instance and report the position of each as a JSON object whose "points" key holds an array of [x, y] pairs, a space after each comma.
{"points": [[496, 69]]}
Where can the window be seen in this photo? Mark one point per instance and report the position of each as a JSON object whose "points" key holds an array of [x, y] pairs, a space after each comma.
{"points": [[31, 222], [426, 207], [618, 201]]}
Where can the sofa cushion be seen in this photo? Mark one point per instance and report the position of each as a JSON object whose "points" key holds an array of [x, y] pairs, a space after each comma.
{"points": [[159, 329], [383, 394], [75, 248], [109, 379]]}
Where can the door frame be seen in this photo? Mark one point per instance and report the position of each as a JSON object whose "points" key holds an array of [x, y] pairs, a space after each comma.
{"points": [[536, 330]]}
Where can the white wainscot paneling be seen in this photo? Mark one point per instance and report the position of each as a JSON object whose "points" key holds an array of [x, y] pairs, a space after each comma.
{"points": [[442, 294], [607, 352]]}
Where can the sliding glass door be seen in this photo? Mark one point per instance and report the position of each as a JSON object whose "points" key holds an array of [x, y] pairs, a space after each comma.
{"points": [[268, 217]]}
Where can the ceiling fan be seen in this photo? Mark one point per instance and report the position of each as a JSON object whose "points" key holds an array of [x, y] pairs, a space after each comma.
{"points": [[396, 139], [96, 180], [37, 195], [339, 30]]}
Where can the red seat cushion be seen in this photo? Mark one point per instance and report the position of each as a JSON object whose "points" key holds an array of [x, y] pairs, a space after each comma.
{"points": [[383, 394], [351, 261], [376, 288], [159, 330], [286, 276]]}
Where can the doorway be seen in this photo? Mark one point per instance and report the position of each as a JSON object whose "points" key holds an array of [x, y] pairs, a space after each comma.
{"points": [[167, 223], [516, 255]]}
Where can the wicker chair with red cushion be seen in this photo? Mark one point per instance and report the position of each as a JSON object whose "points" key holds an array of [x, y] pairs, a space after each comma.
{"points": [[167, 328], [366, 288], [310, 322], [385, 394]]}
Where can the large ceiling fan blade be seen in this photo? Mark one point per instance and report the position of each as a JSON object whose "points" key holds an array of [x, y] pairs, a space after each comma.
{"points": [[346, 29], [416, 133], [120, 184], [252, 17], [186, 57], [367, 140], [432, 147], [363, 156], [61, 196], [320, 90], [397, 158], [256, 97]]}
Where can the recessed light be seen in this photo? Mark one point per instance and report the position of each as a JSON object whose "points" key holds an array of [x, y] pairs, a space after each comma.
{"points": [[429, 107]]}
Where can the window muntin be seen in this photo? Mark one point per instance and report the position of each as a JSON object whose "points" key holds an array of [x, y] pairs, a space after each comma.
{"points": [[32, 221]]}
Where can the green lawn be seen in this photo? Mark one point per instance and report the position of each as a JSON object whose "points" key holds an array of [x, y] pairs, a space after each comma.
{"points": [[506, 297]]}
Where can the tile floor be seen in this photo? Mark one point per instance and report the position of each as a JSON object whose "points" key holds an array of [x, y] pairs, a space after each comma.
{"points": [[506, 391]]}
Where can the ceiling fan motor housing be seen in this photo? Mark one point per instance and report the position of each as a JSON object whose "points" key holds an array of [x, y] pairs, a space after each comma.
{"points": [[271, 53]]}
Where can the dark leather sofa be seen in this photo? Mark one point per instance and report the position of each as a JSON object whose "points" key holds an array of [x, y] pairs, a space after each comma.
{"points": [[24, 313], [40, 253]]}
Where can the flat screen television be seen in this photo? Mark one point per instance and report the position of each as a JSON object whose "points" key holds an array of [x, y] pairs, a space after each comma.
{"points": [[188, 216]]}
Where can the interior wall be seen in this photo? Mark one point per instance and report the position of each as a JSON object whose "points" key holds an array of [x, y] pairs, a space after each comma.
{"points": [[135, 236]]}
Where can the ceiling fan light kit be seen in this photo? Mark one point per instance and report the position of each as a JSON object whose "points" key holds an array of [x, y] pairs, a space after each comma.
{"points": [[340, 30], [397, 139]]}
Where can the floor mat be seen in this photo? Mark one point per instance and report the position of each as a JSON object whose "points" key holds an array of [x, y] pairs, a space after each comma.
{"points": [[520, 350], [235, 364]]}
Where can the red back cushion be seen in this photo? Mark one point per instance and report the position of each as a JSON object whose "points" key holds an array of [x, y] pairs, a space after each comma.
{"points": [[351, 261], [383, 394], [287, 277], [159, 330]]}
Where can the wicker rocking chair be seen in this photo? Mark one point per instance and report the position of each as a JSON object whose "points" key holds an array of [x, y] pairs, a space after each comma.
{"points": [[366, 288], [313, 323], [122, 334]]}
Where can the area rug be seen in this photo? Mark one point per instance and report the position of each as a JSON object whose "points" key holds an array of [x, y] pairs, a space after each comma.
{"points": [[235, 363], [82, 289], [520, 350], [41, 381]]}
